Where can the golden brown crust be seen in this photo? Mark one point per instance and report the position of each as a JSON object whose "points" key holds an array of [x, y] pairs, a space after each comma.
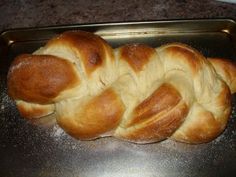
{"points": [[97, 116], [227, 70], [203, 130], [171, 91], [158, 128], [136, 55], [32, 111], [40, 78], [209, 118], [156, 118], [164, 98], [207, 126], [90, 48], [184, 55]]}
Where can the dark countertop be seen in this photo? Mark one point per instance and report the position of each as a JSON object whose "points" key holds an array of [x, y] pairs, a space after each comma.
{"points": [[34, 13]]}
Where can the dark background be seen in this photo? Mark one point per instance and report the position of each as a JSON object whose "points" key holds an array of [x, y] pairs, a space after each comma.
{"points": [[34, 13]]}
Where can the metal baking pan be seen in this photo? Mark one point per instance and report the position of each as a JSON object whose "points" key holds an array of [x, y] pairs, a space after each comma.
{"points": [[31, 151]]}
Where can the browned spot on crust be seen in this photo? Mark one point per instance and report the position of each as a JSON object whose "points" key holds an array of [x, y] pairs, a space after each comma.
{"points": [[137, 55], [91, 48], [40, 78], [100, 115]]}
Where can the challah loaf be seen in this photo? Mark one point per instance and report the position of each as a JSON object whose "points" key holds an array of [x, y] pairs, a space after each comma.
{"points": [[135, 92]]}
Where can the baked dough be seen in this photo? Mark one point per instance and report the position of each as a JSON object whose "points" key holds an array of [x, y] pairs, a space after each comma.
{"points": [[135, 92]]}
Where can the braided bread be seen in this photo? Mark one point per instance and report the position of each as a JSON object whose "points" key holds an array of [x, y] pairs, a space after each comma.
{"points": [[135, 92]]}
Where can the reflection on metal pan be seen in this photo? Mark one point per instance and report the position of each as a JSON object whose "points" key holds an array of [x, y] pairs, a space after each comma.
{"points": [[29, 150]]}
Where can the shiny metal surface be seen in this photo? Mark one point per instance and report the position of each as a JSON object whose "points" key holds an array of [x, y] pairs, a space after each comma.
{"points": [[28, 150]]}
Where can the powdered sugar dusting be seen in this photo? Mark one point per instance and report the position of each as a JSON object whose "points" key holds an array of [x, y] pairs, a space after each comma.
{"points": [[57, 132]]}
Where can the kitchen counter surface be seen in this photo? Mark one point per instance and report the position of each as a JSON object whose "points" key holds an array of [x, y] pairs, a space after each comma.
{"points": [[35, 13]]}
